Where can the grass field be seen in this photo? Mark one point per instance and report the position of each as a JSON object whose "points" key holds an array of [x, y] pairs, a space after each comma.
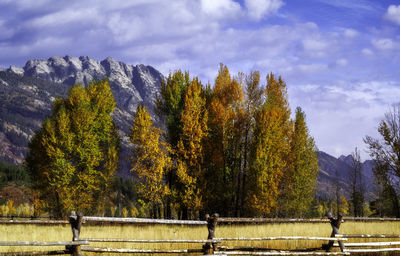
{"points": [[28, 232]]}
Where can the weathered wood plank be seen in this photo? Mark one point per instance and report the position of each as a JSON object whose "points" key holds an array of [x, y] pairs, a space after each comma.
{"points": [[124, 240], [370, 219], [283, 238], [36, 222], [259, 249], [33, 243], [143, 220], [121, 250], [367, 236], [60, 252], [278, 220], [281, 253], [269, 220], [372, 244], [373, 250]]}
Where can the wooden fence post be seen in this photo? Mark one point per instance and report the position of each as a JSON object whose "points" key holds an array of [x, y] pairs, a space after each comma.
{"points": [[76, 224], [335, 224], [209, 247]]}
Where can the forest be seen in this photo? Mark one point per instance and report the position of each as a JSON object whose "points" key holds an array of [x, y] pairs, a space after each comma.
{"points": [[231, 147]]}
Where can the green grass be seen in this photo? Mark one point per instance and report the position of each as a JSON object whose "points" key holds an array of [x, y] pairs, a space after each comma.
{"points": [[19, 232]]}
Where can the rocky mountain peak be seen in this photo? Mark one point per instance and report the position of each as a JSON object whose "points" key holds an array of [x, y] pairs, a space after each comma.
{"points": [[131, 86]]}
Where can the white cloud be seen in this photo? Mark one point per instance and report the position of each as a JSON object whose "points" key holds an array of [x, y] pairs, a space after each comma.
{"points": [[125, 30], [350, 33], [316, 45], [367, 52], [257, 9], [66, 16], [393, 14], [341, 115], [385, 44], [220, 8]]}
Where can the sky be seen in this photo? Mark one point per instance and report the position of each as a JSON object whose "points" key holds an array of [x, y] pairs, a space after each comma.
{"points": [[340, 59]]}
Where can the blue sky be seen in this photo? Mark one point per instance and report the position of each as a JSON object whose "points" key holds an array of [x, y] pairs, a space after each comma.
{"points": [[340, 59]]}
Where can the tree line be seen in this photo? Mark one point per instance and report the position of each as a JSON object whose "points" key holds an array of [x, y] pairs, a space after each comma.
{"points": [[230, 147]]}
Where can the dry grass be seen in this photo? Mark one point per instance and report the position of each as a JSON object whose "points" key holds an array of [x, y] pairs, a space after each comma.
{"points": [[16, 232]]}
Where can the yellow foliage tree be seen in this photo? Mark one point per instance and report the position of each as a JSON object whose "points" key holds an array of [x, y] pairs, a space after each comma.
{"points": [[190, 148], [150, 160], [270, 150], [222, 148], [74, 156]]}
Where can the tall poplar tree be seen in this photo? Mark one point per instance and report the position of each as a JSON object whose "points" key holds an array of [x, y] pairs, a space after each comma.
{"points": [[300, 180], [270, 150], [223, 165], [74, 156], [190, 171], [150, 161], [170, 104], [252, 103]]}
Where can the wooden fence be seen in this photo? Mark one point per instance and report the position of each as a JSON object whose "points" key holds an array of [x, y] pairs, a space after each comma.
{"points": [[211, 244]]}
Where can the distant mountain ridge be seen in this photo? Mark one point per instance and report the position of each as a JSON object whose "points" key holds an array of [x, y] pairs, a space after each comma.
{"points": [[131, 85], [27, 94], [333, 169]]}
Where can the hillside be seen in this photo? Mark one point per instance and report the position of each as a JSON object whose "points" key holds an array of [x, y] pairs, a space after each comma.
{"points": [[333, 169]]}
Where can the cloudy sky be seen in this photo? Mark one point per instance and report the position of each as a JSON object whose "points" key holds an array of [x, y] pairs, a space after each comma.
{"points": [[340, 58]]}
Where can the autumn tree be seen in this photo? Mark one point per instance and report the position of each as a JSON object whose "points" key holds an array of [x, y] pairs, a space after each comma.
{"points": [[300, 179], [190, 171], [252, 102], [385, 151], [271, 148], [74, 156], [170, 104], [150, 160], [223, 151]]}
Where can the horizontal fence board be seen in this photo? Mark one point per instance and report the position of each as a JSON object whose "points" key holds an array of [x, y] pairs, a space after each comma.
{"points": [[283, 238], [34, 243], [143, 220], [124, 240], [369, 219], [372, 250], [121, 250], [36, 222], [367, 236], [281, 253], [371, 244], [279, 220], [255, 249], [60, 252]]}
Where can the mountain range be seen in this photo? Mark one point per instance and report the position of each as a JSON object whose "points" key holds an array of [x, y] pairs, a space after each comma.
{"points": [[27, 94]]}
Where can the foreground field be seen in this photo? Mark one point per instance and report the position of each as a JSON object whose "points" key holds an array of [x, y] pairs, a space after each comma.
{"points": [[29, 232]]}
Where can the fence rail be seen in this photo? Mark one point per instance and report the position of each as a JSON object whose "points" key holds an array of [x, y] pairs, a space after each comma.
{"points": [[211, 245]]}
